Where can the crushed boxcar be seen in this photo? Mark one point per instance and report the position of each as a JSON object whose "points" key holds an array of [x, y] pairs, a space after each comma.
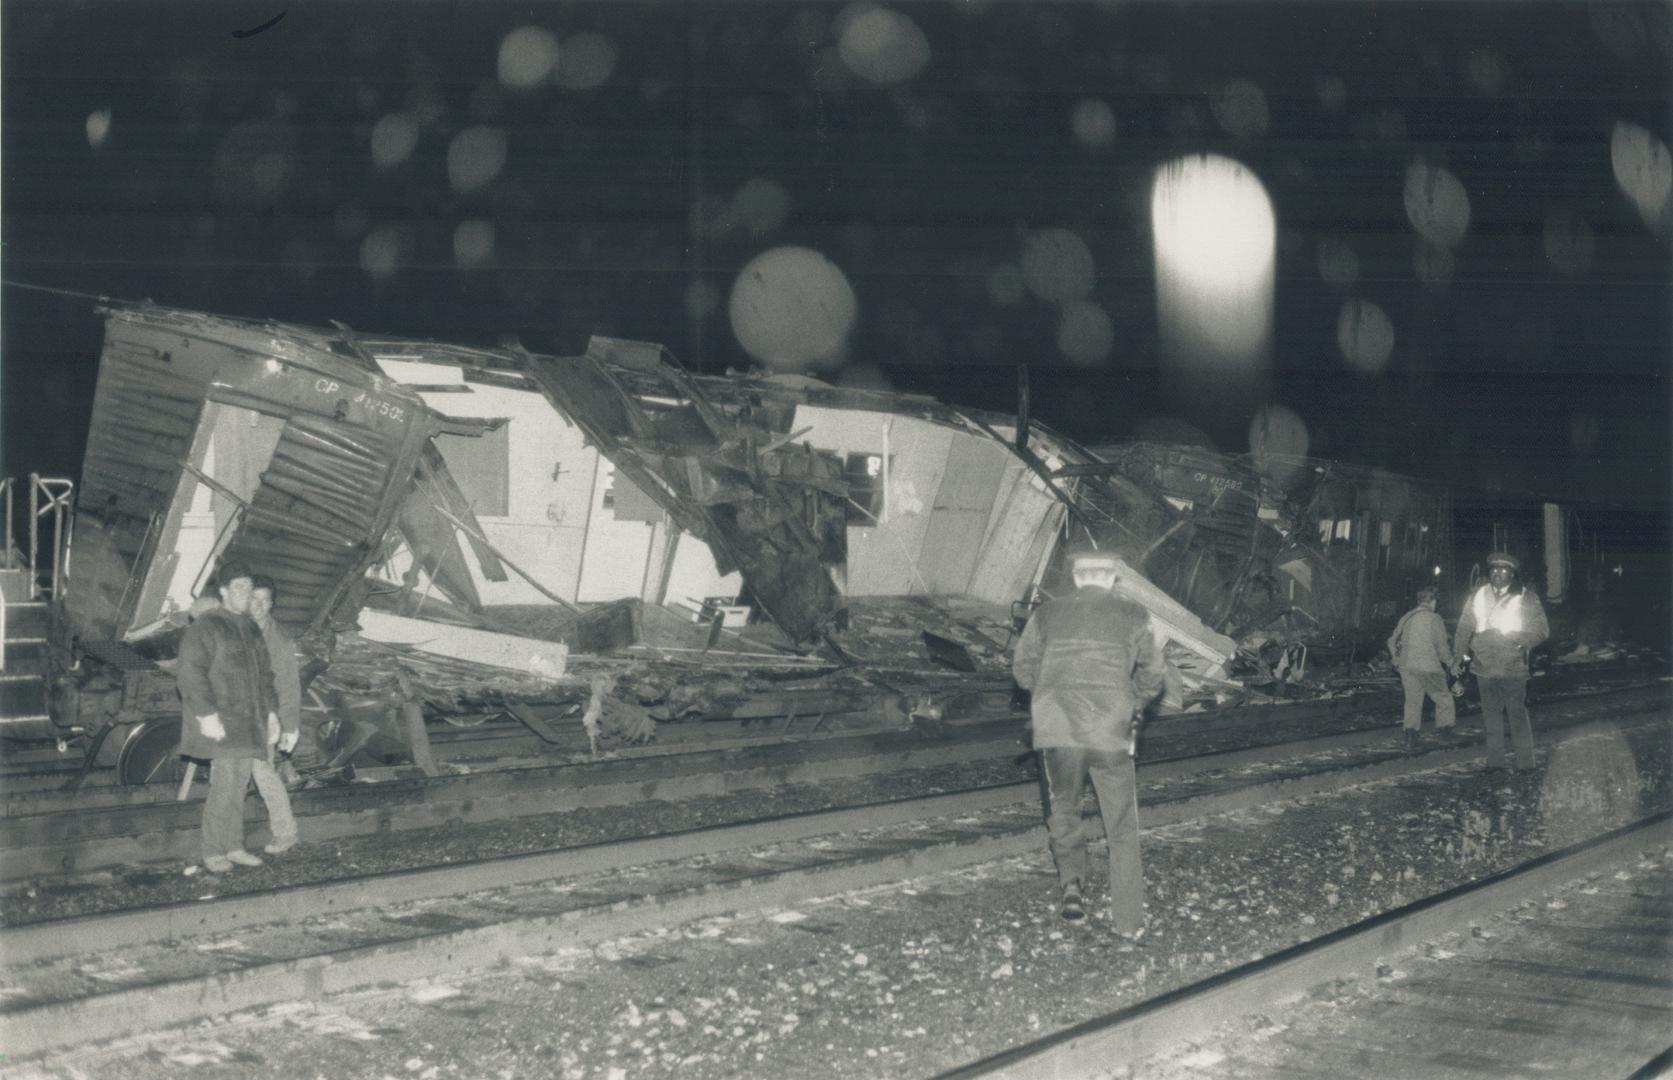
{"points": [[608, 542], [1315, 551], [217, 438]]}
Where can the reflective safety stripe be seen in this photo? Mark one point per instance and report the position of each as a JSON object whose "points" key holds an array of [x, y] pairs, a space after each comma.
{"points": [[1503, 615]]}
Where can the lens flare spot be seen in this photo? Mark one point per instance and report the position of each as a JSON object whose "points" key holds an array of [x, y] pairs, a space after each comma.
{"points": [[865, 377], [1433, 265], [254, 162], [475, 157], [1057, 265], [1333, 92], [350, 220], [1620, 27], [1569, 243], [1338, 263], [702, 299], [98, 127], [710, 216], [527, 56], [1436, 204], [1093, 123], [1365, 335], [473, 243], [761, 206], [1583, 433], [1278, 441], [1005, 284], [1241, 111], [1486, 73], [791, 308], [380, 252], [1643, 169], [880, 45], [1085, 334], [394, 137], [587, 62]]}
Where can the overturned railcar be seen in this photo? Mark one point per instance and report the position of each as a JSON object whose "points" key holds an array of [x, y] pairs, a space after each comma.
{"points": [[216, 438], [1299, 550]]}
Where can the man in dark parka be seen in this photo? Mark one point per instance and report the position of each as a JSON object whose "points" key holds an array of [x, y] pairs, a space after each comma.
{"points": [[229, 705], [1092, 663]]}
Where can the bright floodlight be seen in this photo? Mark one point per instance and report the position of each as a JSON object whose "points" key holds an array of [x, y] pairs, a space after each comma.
{"points": [[1215, 236]]}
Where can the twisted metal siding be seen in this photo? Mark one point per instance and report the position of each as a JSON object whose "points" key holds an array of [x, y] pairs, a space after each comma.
{"points": [[344, 459]]}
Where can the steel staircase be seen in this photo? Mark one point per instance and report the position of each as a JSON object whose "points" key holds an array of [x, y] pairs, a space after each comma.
{"points": [[29, 582]]}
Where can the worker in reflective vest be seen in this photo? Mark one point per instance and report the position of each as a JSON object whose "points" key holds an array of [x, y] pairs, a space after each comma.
{"points": [[1092, 663], [1502, 623]]}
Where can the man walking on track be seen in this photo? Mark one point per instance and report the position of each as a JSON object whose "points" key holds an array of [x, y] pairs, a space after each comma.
{"points": [[1092, 664], [1423, 657]]}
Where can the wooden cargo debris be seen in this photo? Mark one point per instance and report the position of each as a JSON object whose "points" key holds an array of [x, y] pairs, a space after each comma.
{"points": [[1178, 623], [545, 659]]}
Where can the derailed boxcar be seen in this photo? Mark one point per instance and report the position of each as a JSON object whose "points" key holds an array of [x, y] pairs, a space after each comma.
{"points": [[214, 438], [1304, 550]]}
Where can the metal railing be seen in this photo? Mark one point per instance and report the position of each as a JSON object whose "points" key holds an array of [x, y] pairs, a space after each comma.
{"points": [[49, 497]]}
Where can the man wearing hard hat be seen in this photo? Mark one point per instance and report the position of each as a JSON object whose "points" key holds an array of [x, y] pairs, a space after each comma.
{"points": [[1092, 663], [1501, 623]]}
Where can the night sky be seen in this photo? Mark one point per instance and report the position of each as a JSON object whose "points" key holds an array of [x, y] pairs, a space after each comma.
{"points": [[976, 175]]}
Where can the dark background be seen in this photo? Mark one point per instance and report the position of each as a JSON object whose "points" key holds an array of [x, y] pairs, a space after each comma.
{"points": [[236, 176]]}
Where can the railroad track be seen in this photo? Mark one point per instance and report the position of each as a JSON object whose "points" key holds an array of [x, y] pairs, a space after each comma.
{"points": [[1608, 985], [56, 835], [320, 939], [498, 742]]}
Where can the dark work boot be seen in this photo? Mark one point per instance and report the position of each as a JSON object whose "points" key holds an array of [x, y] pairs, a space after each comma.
{"points": [[1071, 907], [1408, 740]]}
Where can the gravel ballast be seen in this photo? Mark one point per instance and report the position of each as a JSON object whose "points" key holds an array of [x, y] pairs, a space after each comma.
{"points": [[911, 979]]}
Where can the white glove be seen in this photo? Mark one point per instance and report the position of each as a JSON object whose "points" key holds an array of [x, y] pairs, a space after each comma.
{"points": [[273, 728], [212, 729], [287, 741]]}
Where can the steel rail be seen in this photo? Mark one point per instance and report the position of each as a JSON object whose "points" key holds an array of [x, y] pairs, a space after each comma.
{"points": [[29, 1028], [1191, 1013], [79, 841]]}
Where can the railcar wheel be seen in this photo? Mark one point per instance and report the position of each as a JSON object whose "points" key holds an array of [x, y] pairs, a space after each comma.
{"points": [[148, 757]]}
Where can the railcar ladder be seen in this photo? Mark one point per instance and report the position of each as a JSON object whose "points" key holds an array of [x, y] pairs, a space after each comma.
{"points": [[29, 584]]}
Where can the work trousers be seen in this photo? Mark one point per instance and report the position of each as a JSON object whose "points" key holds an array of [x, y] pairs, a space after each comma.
{"points": [[271, 787], [1506, 699], [1067, 770], [1431, 684], [223, 809]]}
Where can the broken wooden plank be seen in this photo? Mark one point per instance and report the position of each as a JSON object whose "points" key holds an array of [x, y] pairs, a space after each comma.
{"points": [[1173, 618], [545, 659]]}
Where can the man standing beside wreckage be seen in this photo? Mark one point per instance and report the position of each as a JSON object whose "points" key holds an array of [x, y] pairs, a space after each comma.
{"points": [[1421, 655], [230, 717], [1501, 623], [293, 738], [1092, 664]]}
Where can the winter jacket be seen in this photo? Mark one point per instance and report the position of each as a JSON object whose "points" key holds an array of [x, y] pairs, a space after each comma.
{"points": [[1419, 642], [224, 669], [287, 675], [1091, 662], [1498, 632]]}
